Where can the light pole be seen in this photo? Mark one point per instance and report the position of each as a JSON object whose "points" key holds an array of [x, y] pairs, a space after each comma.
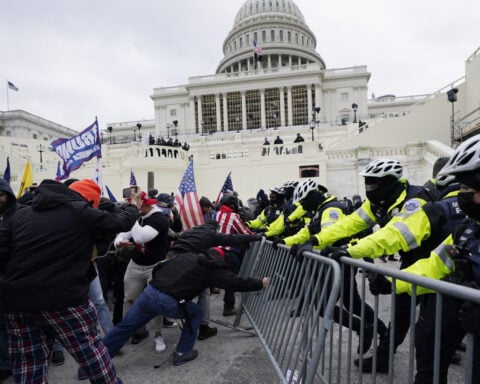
{"points": [[175, 132], [312, 127], [139, 134], [110, 129], [41, 149], [168, 131], [354, 107], [452, 97]]}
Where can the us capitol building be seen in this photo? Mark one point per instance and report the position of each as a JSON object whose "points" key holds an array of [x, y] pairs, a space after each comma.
{"points": [[271, 82]]}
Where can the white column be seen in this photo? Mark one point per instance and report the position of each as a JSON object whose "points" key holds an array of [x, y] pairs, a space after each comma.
{"points": [[282, 107], [269, 62], [218, 114], [244, 111], [200, 116], [263, 122], [289, 60], [190, 126], [289, 106], [309, 101], [225, 113]]}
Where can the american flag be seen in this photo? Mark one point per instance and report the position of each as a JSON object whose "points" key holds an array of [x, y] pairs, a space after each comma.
{"points": [[256, 49], [227, 189], [133, 180], [187, 202], [12, 86]]}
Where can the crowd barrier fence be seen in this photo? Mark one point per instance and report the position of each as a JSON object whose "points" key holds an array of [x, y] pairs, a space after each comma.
{"points": [[296, 318]]}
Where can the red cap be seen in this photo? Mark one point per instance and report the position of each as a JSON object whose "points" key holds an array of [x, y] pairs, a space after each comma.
{"points": [[146, 200], [219, 250]]}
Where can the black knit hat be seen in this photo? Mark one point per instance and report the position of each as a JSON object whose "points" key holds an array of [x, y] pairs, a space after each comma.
{"points": [[471, 179]]}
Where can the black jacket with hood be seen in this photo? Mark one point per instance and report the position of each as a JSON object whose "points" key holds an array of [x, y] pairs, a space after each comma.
{"points": [[5, 217], [185, 276], [51, 245]]}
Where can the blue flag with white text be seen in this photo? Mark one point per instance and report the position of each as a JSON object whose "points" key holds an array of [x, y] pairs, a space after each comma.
{"points": [[6, 174], [78, 149]]}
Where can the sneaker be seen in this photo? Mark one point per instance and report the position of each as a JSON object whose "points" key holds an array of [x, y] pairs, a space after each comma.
{"points": [[229, 311], [168, 324], [139, 336], [206, 332], [382, 364], [159, 344], [82, 374], [58, 358], [184, 357]]}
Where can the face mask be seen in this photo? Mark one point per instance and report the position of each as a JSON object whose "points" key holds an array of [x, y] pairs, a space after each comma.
{"points": [[312, 201], [466, 204], [382, 193]]}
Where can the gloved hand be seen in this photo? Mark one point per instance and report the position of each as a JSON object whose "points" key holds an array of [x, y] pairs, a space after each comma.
{"points": [[469, 316], [277, 240], [259, 230], [335, 253], [379, 284], [297, 250]]}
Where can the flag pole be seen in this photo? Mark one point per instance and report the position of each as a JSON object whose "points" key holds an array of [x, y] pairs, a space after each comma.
{"points": [[8, 102]]}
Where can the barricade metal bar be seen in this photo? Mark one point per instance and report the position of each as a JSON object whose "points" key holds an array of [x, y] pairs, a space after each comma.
{"points": [[438, 337], [411, 342]]}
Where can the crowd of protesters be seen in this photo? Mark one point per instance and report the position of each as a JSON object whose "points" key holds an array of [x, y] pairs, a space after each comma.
{"points": [[65, 238]]}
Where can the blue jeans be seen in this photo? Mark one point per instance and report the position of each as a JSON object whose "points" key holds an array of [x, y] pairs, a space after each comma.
{"points": [[149, 304], [96, 295]]}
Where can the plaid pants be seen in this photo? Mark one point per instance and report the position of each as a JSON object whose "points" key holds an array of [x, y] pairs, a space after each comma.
{"points": [[31, 335]]}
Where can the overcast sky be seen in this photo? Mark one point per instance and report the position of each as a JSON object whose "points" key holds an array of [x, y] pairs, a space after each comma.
{"points": [[73, 60]]}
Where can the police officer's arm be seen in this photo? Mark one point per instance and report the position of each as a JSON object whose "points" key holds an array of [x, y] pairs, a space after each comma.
{"points": [[358, 221], [403, 232], [276, 227], [259, 222], [298, 238], [437, 266], [298, 213]]}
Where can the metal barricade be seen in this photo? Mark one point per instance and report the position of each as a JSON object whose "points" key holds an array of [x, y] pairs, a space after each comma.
{"points": [[312, 319], [293, 316]]}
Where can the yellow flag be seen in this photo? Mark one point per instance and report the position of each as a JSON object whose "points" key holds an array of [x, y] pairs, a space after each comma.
{"points": [[27, 180]]}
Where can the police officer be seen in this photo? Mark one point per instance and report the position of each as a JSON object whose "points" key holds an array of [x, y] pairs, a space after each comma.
{"points": [[270, 213], [455, 258], [389, 197]]}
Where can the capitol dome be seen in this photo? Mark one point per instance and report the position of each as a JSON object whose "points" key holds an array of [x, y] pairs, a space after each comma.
{"points": [[281, 35]]}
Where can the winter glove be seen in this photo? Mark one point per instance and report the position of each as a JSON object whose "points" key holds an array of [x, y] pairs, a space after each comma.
{"points": [[335, 253], [259, 230], [297, 250], [379, 284], [277, 240], [469, 316]]}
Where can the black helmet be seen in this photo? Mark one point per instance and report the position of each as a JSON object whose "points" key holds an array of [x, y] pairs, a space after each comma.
{"points": [[230, 201]]}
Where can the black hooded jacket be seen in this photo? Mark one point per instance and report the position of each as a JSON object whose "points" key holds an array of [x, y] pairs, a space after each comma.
{"points": [[186, 276], [5, 217], [205, 236], [51, 245]]}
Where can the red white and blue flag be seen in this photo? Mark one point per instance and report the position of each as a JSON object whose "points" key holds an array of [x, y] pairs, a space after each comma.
{"points": [[12, 86], [227, 189], [133, 180], [78, 149], [257, 51], [186, 200]]}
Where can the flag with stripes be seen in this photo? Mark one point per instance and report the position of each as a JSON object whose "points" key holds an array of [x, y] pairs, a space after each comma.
{"points": [[110, 194], [227, 189], [12, 86], [257, 51], [186, 200], [133, 180]]}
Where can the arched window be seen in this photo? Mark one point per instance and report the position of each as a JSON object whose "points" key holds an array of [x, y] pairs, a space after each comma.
{"points": [[241, 42], [255, 36], [235, 45], [281, 35], [303, 40], [296, 38], [264, 36], [272, 35], [289, 35], [248, 39]]}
